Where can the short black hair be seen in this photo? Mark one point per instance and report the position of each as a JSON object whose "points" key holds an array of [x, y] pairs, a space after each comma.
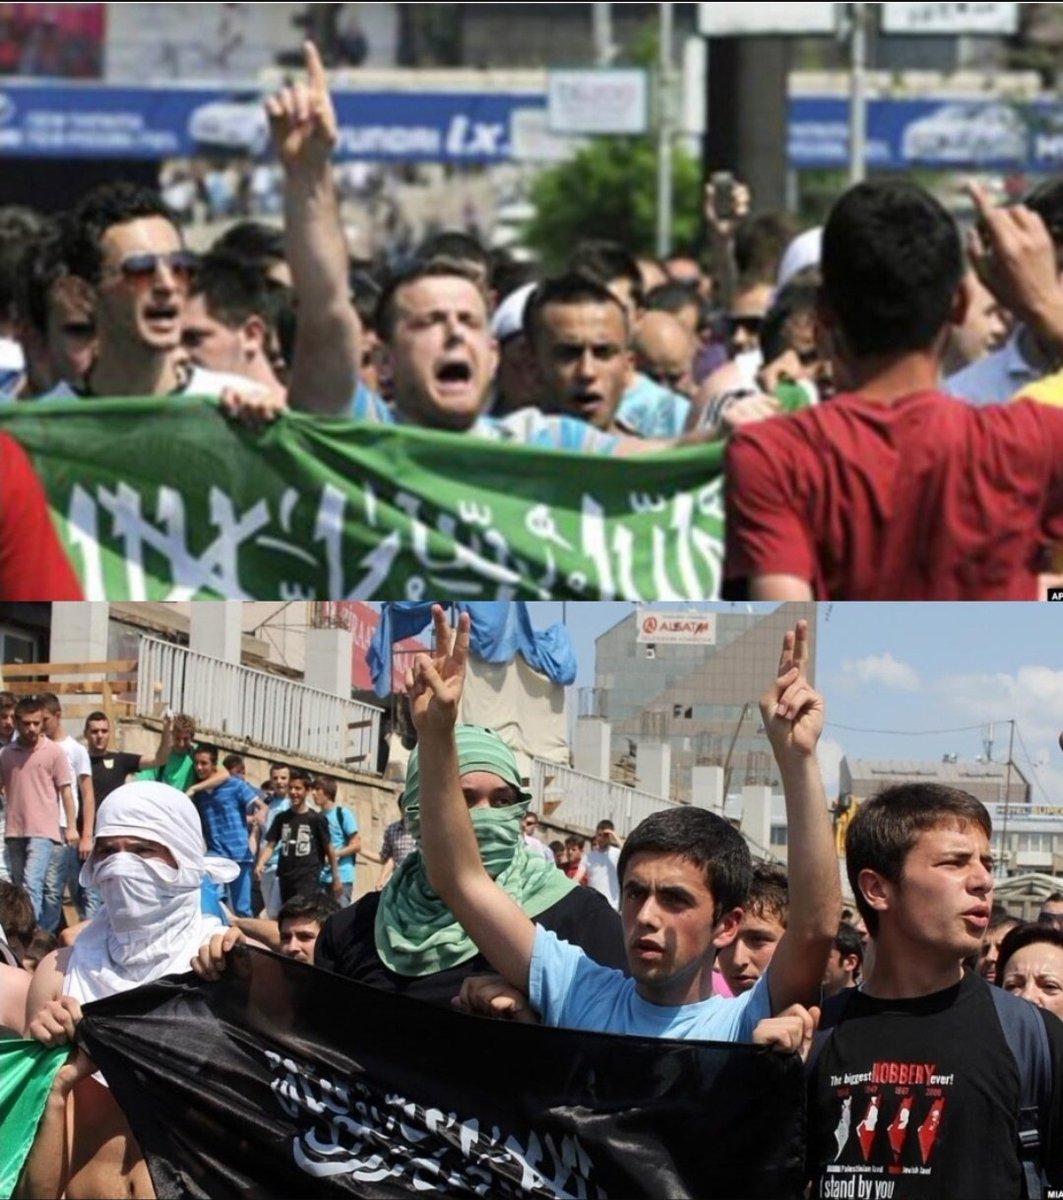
{"points": [[672, 297], [892, 262], [574, 287], [800, 294], [101, 209], [706, 840], [760, 243], [207, 748], [1047, 201], [232, 288], [847, 941], [254, 242], [18, 226], [318, 907], [605, 261], [295, 773]]}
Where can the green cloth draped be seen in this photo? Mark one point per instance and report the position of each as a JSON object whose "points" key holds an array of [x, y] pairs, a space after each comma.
{"points": [[27, 1070], [416, 934]]}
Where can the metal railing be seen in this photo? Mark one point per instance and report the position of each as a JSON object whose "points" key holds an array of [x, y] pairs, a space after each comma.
{"points": [[253, 706], [581, 801]]}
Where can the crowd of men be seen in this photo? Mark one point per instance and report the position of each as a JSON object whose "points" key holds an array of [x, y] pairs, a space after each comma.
{"points": [[670, 932], [861, 374]]}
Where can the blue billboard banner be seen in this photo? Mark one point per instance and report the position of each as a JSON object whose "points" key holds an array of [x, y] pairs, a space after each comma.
{"points": [[944, 134], [99, 121]]}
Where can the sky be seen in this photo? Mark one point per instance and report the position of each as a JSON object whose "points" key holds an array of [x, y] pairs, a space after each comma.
{"points": [[912, 681]]}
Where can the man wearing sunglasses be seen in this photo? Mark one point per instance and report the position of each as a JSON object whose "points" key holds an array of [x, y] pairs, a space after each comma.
{"points": [[124, 242]]}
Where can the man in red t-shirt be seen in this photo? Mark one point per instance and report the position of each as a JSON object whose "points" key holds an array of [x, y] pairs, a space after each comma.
{"points": [[893, 490], [32, 563]]}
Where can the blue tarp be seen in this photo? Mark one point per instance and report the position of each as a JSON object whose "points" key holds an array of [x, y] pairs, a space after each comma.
{"points": [[500, 631]]}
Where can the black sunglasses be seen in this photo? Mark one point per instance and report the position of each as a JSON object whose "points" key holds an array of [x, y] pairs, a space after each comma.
{"points": [[141, 269]]}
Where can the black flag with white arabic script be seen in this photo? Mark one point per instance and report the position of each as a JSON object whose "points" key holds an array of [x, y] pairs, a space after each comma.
{"points": [[283, 1080]]}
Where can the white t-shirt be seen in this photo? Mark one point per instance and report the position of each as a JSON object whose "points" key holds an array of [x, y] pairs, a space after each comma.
{"points": [[601, 873], [78, 757]]}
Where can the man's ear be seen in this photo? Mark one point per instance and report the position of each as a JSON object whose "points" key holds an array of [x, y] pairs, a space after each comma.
{"points": [[254, 335], [875, 888], [727, 928]]}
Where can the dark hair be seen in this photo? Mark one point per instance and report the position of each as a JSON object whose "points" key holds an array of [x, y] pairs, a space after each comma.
{"points": [[575, 840], [847, 941], [257, 244], [606, 824], [706, 840], [18, 227], [800, 295], [386, 309], [605, 261], [207, 748], [41, 944], [8, 700], [998, 916], [574, 287], [278, 766], [456, 245], [17, 918], [1025, 935], [508, 273], [93, 716], [28, 704], [886, 827], [1055, 898], [769, 892], [104, 207], [672, 298], [891, 262], [41, 265], [50, 702], [318, 907], [327, 785], [233, 760], [760, 243], [233, 290], [295, 773]]}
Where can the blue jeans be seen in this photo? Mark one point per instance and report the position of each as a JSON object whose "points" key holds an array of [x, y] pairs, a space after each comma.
{"points": [[62, 874], [28, 859]]}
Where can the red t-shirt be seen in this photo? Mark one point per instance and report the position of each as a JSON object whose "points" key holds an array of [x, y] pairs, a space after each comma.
{"points": [[927, 498], [32, 563]]}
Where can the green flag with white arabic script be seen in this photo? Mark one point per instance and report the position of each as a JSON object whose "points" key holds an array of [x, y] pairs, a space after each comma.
{"points": [[27, 1069], [168, 500]]}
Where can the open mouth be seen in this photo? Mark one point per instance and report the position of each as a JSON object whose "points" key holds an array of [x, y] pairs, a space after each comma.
{"points": [[454, 374], [162, 314]]}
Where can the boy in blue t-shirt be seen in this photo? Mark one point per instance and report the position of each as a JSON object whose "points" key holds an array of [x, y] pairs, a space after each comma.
{"points": [[343, 832], [223, 811], [683, 875]]}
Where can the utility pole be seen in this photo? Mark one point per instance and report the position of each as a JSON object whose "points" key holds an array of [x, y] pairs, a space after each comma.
{"points": [[858, 18], [1003, 865], [665, 131], [602, 27]]}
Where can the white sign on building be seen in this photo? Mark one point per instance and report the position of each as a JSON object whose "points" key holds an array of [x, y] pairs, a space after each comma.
{"points": [[659, 626], [747, 20], [951, 19], [597, 101]]}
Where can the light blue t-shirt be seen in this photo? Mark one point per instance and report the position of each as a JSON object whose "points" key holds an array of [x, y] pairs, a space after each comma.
{"points": [[275, 807], [572, 991], [652, 410], [525, 426]]}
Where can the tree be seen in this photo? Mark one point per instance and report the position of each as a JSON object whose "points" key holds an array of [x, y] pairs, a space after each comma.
{"points": [[609, 190]]}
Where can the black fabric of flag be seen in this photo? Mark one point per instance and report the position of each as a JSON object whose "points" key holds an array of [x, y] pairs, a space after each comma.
{"points": [[282, 1080]]}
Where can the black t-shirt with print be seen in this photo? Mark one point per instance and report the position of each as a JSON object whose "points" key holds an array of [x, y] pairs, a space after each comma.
{"points": [[110, 770], [919, 1098], [303, 841]]}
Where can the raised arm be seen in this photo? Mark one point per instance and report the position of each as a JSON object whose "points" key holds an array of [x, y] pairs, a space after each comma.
{"points": [[325, 360], [164, 749], [494, 921], [792, 713]]}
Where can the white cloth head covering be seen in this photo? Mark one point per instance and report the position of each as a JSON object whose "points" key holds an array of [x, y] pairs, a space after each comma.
{"points": [[804, 251], [161, 924], [509, 316]]}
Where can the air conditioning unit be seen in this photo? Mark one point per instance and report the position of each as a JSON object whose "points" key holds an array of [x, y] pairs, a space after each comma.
{"points": [[651, 651]]}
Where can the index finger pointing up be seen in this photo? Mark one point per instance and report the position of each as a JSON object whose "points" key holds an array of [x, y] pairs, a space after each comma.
{"points": [[315, 68]]}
